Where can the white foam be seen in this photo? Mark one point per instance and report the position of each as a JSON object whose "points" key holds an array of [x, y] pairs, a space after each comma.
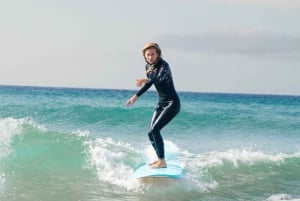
{"points": [[115, 162], [112, 161], [237, 157], [81, 133], [198, 165], [282, 197], [171, 153], [10, 127], [244, 156]]}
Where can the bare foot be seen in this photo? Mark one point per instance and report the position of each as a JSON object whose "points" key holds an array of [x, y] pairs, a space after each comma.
{"points": [[160, 163], [150, 164]]}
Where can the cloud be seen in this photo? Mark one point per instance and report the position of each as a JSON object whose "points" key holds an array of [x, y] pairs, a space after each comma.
{"points": [[230, 42], [263, 3]]}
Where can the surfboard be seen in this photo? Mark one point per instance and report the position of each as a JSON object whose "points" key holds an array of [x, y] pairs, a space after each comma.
{"points": [[171, 171]]}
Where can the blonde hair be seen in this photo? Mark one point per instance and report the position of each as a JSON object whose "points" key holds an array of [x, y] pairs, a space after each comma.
{"points": [[150, 46]]}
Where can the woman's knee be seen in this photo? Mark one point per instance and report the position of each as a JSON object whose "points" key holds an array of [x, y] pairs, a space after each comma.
{"points": [[153, 130]]}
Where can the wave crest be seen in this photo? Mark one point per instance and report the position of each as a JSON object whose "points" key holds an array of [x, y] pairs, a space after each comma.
{"points": [[9, 127]]}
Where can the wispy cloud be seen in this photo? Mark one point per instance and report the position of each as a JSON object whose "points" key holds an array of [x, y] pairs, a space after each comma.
{"points": [[230, 42]]}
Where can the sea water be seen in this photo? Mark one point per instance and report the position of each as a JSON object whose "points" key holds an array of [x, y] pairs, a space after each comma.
{"points": [[84, 144]]}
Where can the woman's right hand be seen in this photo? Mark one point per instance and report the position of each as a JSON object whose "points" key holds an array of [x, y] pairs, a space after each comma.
{"points": [[140, 82], [131, 100]]}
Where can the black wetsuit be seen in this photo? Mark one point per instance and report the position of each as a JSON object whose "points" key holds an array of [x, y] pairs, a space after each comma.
{"points": [[168, 105]]}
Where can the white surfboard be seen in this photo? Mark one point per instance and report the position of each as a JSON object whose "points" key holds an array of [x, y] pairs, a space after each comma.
{"points": [[171, 171]]}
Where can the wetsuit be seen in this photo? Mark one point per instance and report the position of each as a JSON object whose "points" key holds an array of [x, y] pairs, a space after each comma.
{"points": [[168, 105]]}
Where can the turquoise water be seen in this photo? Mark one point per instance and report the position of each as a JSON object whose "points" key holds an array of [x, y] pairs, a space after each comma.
{"points": [[83, 144]]}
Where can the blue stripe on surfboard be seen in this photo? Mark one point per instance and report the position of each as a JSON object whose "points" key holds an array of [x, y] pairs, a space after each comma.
{"points": [[171, 171]]}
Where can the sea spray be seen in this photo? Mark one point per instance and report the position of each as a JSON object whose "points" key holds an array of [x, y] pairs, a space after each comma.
{"points": [[114, 162], [9, 127]]}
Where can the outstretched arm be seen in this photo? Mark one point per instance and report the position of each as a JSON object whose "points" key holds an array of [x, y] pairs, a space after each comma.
{"points": [[145, 84], [131, 100]]}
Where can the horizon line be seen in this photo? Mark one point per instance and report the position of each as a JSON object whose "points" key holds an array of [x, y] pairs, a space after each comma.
{"points": [[119, 89]]}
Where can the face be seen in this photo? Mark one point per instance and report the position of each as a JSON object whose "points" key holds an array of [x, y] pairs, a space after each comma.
{"points": [[151, 55]]}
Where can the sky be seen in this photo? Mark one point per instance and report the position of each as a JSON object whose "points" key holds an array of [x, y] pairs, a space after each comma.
{"points": [[228, 46]]}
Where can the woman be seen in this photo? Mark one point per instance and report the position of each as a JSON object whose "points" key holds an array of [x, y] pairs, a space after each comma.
{"points": [[158, 73]]}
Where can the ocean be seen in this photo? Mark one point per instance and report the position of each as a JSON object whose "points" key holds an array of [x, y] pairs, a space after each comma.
{"points": [[84, 144]]}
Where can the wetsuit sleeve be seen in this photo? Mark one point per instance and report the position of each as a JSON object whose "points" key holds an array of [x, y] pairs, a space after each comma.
{"points": [[147, 85], [144, 88]]}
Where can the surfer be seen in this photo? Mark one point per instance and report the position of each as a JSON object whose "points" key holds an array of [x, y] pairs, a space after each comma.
{"points": [[158, 73]]}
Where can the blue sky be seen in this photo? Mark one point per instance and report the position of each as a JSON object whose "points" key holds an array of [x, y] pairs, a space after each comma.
{"points": [[234, 46]]}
